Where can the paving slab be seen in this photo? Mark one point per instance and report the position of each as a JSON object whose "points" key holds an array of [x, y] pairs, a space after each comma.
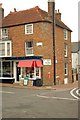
{"points": [[55, 87]]}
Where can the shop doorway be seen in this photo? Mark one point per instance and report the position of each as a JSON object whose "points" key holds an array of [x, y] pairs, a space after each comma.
{"points": [[18, 73]]}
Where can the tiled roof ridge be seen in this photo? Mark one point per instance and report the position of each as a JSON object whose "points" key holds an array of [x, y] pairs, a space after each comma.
{"points": [[63, 24], [38, 11], [36, 8], [39, 15], [11, 13], [23, 10]]}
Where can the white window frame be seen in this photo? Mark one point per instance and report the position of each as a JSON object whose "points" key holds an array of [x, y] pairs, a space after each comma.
{"points": [[34, 73], [65, 34], [0, 33], [26, 27], [66, 50], [4, 35], [28, 48], [66, 69], [6, 42]]}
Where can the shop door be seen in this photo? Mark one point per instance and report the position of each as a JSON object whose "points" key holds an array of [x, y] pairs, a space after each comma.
{"points": [[18, 73]]}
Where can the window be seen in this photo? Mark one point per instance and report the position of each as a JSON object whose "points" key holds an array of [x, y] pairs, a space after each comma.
{"points": [[7, 69], [66, 68], [29, 48], [65, 50], [0, 33], [4, 33], [31, 72], [65, 34], [29, 29], [5, 49]]}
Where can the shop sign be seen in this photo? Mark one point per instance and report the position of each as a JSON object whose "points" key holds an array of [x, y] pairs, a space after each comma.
{"points": [[47, 62]]}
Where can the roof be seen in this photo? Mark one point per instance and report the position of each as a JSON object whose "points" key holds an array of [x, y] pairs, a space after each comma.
{"points": [[75, 47], [62, 25], [29, 16]]}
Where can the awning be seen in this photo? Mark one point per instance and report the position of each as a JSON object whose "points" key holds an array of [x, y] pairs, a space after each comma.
{"points": [[30, 63]]}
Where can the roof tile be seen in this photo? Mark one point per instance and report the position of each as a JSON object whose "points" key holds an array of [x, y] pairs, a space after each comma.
{"points": [[29, 16]]}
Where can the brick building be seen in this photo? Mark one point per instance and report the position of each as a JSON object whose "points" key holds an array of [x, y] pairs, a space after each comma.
{"points": [[27, 46]]}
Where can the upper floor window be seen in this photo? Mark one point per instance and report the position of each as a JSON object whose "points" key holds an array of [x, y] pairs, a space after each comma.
{"points": [[65, 34], [29, 48], [5, 49], [29, 29], [66, 68], [65, 50], [3, 33]]}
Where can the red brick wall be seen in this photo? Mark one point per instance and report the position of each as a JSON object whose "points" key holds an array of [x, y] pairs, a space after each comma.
{"points": [[42, 33], [60, 55]]}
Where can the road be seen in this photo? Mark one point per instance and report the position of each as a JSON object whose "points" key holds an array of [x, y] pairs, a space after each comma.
{"points": [[34, 103]]}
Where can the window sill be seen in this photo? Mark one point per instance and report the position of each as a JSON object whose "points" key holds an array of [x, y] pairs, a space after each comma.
{"points": [[30, 55], [66, 56]]}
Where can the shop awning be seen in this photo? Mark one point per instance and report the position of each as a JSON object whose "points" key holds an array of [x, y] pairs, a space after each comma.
{"points": [[30, 63]]}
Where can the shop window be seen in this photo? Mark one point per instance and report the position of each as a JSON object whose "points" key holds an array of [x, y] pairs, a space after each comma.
{"points": [[5, 49], [29, 48], [38, 72], [1, 71], [7, 69], [31, 72]]}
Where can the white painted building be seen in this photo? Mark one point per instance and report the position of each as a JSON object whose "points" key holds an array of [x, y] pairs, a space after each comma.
{"points": [[75, 56]]}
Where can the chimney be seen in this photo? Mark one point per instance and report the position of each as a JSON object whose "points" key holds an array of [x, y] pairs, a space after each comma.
{"points": [[1, 11], [15, 10], [0, 5], [50, 7], [58, 15]]}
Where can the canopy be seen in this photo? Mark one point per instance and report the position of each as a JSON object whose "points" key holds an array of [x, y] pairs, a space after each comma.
{"points": [[30, 63]]}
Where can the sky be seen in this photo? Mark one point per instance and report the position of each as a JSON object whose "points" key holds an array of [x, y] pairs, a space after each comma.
{"points": [[68, 9]]}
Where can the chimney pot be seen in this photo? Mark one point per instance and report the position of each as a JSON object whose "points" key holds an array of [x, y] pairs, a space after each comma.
{"points": [[1, 11], [58, 10], [58, 15], [14, 9], [0, 5]]}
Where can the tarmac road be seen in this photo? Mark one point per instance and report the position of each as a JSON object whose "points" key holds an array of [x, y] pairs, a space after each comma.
{"points": [[38, 103]]}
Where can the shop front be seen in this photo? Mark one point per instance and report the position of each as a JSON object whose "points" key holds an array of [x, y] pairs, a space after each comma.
{"points": [[32, 70], [13, 69]]}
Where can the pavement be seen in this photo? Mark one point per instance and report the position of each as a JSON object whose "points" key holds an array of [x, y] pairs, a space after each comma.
{"points": [[68, 86]]}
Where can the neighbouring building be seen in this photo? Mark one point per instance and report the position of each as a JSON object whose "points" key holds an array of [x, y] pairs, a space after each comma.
{"points": [[26, 46], [75, 59]]}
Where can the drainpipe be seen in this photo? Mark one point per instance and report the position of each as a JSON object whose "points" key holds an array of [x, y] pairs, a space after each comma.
{"points": [[51, 12], [54, 50]]}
